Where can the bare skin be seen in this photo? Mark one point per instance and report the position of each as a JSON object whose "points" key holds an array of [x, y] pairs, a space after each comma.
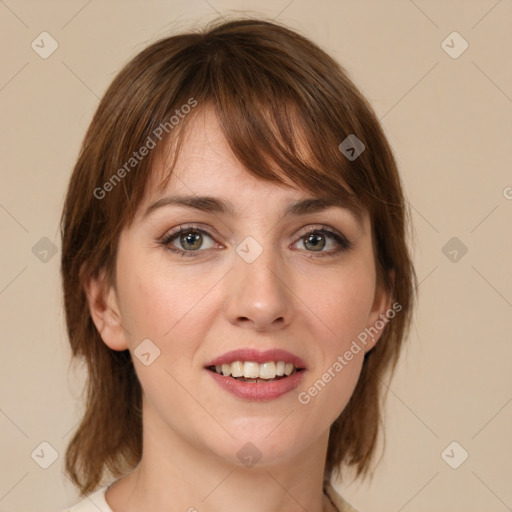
{"points": [[199, 307]]}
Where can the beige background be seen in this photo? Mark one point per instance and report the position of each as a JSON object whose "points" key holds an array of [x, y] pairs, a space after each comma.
{"points": [[449, 122]]}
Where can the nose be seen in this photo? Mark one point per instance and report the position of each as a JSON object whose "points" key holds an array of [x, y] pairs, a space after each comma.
{"points": [[260, 293]]}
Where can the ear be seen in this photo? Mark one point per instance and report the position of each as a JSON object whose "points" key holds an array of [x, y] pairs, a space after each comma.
{"points": [[377, 319], [104, 310]]}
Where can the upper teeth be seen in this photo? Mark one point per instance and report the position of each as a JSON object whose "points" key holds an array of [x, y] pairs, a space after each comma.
{"points": [[251, 370]]}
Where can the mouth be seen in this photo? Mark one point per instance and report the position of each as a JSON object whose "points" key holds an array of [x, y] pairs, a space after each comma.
{"points": [[253, 372], [257, 376]]}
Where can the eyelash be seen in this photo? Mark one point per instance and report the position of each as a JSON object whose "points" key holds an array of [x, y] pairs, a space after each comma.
{"points": [[343, 243]]}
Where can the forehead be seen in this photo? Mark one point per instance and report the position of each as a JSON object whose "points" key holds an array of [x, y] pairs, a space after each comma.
{"points": [[207, 176], [205, 158]]}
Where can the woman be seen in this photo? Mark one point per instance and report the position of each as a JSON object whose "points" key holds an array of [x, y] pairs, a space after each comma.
{"points": [[236, 277]]}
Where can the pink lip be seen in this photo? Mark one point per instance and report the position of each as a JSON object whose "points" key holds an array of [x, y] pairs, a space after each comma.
{"points": [[258, 391], [248, 354]]}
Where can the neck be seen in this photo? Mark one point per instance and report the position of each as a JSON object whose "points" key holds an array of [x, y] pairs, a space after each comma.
{"points": [[176, 476]]}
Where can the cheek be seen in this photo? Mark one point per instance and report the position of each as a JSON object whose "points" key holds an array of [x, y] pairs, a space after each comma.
{"points": [[157, 300], [167, 307], [343, 301]]}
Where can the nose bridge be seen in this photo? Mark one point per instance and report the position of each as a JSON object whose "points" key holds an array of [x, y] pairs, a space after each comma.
{"points": [[259, 291]]}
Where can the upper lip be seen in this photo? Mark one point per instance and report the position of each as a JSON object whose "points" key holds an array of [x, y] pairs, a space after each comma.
{"points": [[257, 356]]}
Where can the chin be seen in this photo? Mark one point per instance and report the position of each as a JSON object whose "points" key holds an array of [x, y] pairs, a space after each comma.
{"points": [[260, 444]]}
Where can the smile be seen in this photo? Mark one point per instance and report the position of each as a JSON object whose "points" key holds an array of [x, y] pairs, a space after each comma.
{"points": [[256, 375], [250, 371]]}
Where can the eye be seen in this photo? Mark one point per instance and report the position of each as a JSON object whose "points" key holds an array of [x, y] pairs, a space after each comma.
{"points": [[190, 241], [315, 240], [187, 240]]}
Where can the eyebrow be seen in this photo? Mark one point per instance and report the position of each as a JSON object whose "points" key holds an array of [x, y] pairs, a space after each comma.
{"points": [[220, 206]]}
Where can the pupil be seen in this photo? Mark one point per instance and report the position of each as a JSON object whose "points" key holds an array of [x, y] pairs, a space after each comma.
{"points": [[190, 238], [315, 240]]}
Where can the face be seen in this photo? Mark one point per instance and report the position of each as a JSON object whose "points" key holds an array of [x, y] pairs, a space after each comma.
{"points": [[255, 279]]}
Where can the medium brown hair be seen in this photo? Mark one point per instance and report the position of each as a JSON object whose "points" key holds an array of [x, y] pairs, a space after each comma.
{"points": [[284, 107]]}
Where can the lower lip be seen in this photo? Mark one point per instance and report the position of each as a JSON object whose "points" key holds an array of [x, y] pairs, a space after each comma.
{"points": [[258, 391]]}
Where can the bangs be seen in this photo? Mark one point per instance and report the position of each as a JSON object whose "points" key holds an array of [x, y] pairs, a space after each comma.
{"points": [[280, 122]]}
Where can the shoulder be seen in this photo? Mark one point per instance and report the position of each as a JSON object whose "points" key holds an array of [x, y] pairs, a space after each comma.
{"points": [[341, 504], [95, 502]]}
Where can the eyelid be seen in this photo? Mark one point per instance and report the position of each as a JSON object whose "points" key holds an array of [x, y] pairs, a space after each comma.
{"points": [[169, 235], [320, 228], [344, 244]]}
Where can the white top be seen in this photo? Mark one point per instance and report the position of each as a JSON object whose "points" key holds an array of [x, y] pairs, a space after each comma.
{"points": [[96, 502]]}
